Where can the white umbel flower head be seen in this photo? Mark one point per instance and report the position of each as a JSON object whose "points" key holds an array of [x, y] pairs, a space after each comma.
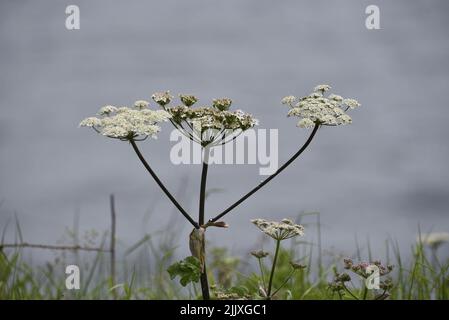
{"points": [[222, 104], [188, 99], [351, 103], [317, 109], [127, 123], [288, 100], [162, 98], [279, 230]]}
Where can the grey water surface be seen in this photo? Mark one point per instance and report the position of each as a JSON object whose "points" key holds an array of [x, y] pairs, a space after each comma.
{"points": [[380, 177]]}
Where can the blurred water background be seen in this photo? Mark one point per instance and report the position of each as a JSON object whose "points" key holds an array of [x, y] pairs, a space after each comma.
{"points": [[380, 177]]}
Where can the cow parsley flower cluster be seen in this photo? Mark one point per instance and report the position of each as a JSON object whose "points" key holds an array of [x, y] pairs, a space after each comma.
{"points": [[316, 108], [206, 125], [259, 254], [126, 123], [279, 230]]}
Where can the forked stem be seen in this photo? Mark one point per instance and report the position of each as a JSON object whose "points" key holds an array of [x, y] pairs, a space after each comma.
{"points": [[162, 186], [285, 165]]}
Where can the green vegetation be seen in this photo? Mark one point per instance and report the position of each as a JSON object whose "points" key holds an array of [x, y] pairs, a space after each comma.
{"points": [[149, 270]]}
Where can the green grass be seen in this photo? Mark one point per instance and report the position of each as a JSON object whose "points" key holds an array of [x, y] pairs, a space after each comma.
{"points": [[142, 272]]}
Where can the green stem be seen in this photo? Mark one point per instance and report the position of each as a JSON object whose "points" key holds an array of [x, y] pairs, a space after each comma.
{"points": [[285, 282], [365, 292], [349, 291], [262, 274], [270, 283]]}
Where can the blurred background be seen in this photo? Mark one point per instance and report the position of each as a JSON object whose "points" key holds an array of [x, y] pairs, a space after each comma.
{"points": [[381, 177]]}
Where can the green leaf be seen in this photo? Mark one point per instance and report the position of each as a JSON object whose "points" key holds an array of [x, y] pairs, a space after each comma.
{"points": [[188, 270]]}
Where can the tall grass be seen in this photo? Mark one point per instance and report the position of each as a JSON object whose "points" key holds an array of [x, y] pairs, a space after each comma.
{"points": [[140, 270]]}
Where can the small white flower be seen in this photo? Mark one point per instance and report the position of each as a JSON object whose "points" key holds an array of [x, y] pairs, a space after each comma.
{"points": [[141, 104], [288, 100], [106, 110], [322, 88], [344, 119], [335, 97], [162, 98], [294, 112], [222, 104], [90, 122], [115, 132], [188, 100], [279, 230], [157, 115], [328, 119], [122, 110], [315, 95], [338, 111], [351, 103], [305, 123]]}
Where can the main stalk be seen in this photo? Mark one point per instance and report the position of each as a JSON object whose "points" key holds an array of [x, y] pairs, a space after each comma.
{"points": [[203, 278]]}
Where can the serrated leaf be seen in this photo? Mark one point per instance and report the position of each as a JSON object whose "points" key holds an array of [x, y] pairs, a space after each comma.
{"points": [[188, 270]]}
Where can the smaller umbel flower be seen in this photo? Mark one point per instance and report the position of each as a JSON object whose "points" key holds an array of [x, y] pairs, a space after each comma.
{"points": [[322, 88], [162, 98], [279, 230], [259, 254], [317, 109], [107, 110], [188, 100], [222, 104], [126, 123], [288, 100], [297, 266]]}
